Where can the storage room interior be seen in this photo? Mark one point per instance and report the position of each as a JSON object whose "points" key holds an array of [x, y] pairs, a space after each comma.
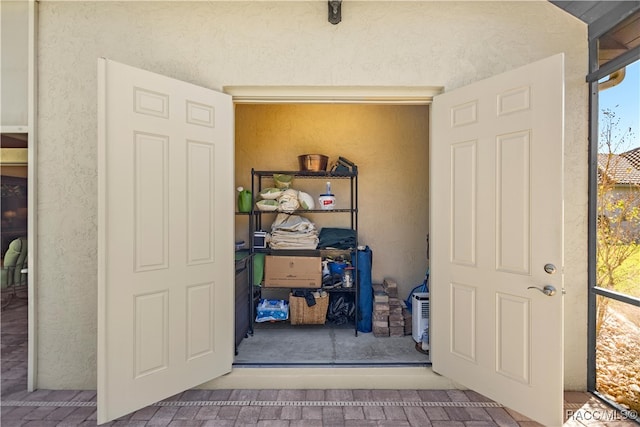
{"points": [[389, 145]]}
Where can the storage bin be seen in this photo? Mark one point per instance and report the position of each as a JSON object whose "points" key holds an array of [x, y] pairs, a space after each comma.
{"points": [[301, 314]]}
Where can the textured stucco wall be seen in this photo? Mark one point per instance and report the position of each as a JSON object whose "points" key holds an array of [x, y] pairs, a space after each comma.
{"points": [[14, 62], [268, 43]]}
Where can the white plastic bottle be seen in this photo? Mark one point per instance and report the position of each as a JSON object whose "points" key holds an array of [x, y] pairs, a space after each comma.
{"points": [[325, 269]]}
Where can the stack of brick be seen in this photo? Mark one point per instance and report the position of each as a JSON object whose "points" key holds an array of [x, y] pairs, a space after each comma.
{"points": [[380, 311], [396, 319], [390, 314]]}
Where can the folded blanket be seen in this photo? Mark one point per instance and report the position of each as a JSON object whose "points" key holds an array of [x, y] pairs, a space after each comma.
{"points": [[338, 238], [292, 223], [293, 232], [293, 244]]}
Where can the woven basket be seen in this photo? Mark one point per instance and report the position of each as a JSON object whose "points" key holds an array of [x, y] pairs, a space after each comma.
{"points": [[301, 314]]}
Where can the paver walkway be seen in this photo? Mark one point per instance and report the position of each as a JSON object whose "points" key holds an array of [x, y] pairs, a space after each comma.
{"points": [[267, 408]]}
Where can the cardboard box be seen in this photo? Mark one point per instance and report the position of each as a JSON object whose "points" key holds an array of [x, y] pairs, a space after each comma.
{"points": [[292, 272]]}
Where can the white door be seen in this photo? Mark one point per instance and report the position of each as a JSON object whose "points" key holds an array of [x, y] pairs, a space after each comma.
{"points": [[497, 220], [165, 230]]}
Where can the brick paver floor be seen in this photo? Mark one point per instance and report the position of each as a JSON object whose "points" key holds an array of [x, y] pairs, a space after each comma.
{"points": [[267, 408]]}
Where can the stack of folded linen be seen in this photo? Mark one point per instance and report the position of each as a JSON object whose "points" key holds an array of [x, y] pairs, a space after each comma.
{"points": [[293, 232]]}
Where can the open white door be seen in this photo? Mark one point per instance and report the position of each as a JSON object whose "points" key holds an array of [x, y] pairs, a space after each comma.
{"points": [[497, 231], [165, 230]]}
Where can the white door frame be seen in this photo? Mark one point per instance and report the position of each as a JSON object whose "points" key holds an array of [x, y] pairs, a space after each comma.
{"points": [[32, 215], [361, 377], [30, 129], [394, 95]]}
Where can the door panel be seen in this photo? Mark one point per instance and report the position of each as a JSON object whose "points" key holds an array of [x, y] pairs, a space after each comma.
{"points": [[463, 321], [165, 237], [497, 219], [151, 203], [513, 222], [464, 202], [200, 203]]}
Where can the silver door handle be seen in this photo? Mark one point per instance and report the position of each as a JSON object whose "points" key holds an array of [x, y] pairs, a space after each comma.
{"points": [[548, 290]]}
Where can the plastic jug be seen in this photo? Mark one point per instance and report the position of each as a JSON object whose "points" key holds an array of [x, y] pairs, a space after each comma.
{"points": [[244, 200]]}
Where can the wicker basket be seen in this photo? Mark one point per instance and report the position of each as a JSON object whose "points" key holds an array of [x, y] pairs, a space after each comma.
{"points": [[301, 314]]}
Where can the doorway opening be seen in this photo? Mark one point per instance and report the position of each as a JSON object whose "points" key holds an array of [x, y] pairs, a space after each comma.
{"points": [[390, 146], [13, 234], [13, 260], [614, 231]]}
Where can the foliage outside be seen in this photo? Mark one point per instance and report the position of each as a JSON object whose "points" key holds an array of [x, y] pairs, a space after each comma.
{"points": [[618, 264], [618, 226]]}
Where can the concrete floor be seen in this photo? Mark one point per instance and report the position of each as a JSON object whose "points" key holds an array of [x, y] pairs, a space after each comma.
{"points": [[286, 344], [264, 408]]}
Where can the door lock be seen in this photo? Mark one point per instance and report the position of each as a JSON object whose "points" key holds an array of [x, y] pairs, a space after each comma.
{"points": [[548, 290]]}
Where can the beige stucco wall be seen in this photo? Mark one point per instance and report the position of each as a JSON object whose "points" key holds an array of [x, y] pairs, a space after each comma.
{"points": [[14, 62], [269, 43]]}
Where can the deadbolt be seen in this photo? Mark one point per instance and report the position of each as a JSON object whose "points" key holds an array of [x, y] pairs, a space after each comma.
{"points": [[550, 268]]}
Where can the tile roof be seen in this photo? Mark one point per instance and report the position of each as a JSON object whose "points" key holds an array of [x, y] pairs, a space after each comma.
{"points": [[621, 168], [633, 156]]}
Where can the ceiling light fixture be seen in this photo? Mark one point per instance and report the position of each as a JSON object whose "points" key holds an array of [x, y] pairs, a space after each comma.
{"points": [[335, 11]]}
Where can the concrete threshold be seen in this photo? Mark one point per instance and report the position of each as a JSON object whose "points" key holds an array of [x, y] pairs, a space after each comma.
{"points": [[407, 378]]}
